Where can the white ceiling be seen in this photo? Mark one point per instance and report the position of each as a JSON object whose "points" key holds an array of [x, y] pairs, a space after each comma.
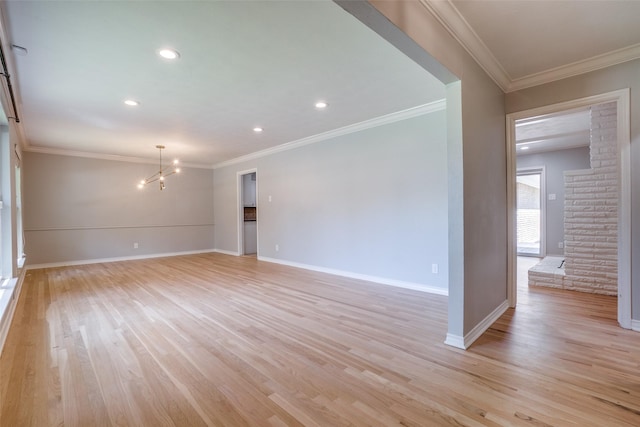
{"points": [[524, 43], [552, 132], [243, 64], [265, 63]]}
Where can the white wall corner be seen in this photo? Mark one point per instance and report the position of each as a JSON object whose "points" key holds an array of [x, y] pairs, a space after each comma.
{"points": [[466, 341], [222, 251]]}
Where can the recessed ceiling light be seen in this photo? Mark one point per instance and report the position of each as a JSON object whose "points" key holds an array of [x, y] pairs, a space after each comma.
{"points": [[257, 129], [321, 104], [524, 148], [169, 53], [131, 102]]}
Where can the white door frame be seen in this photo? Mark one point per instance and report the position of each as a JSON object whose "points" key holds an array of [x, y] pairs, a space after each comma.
{"points": [[621, 98], [240, 206], [543, 205]]}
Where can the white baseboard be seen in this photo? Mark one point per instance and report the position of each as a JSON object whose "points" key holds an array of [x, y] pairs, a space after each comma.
{"points": [[8, 303], [466, 341], [116, 259], [222, 251], [351, 275], [635, 325], [455, 341]]}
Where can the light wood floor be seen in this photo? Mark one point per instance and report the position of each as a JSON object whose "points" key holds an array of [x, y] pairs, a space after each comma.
{"points": [[230, 341]]}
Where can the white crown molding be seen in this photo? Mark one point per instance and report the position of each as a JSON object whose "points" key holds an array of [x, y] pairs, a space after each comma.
{"points": [[447, 14], [378, 121], [22, 137], [597, 62], [357, 127], [102, 156]]}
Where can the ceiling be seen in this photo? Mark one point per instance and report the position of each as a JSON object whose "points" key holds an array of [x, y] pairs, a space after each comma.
{"points": [[242, 64], [552, 132], [526, 43], [265, 63]]}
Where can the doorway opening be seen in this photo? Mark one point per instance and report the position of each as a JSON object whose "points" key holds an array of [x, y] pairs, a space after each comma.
{"points": [[530, 212], [248, 212], [613, 108]]}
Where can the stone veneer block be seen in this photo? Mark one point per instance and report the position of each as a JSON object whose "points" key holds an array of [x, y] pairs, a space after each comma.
{"points": [[591, 212]]}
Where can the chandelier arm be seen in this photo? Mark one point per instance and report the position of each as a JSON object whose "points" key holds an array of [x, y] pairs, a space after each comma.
{"points": [[149, 181], [153, 177], [163, 171]]}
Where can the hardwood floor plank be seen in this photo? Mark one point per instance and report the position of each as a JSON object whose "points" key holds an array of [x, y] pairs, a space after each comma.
{"points": [[216, 340]]}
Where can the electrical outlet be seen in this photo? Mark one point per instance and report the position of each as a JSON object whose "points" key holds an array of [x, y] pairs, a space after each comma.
{"points": [[277, 247], [434, 268], [560, 245], [135, 245]]}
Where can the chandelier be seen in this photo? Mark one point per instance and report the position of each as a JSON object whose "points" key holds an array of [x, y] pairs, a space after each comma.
{"points": [[162, 173]]}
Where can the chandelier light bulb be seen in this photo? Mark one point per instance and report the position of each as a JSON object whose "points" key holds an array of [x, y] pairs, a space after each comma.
{"points": [[177, 170]]}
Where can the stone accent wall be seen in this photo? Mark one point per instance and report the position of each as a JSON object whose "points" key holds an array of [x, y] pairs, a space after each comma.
{"points": [[591, 211]]}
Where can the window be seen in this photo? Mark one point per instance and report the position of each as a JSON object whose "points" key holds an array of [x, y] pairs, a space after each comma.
{"points": [[529, 212]]}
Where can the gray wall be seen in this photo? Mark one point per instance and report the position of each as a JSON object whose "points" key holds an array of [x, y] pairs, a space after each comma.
{"points": [[81, 209], [372, 202], [477, 168], [555, 163], [601, 81]]}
